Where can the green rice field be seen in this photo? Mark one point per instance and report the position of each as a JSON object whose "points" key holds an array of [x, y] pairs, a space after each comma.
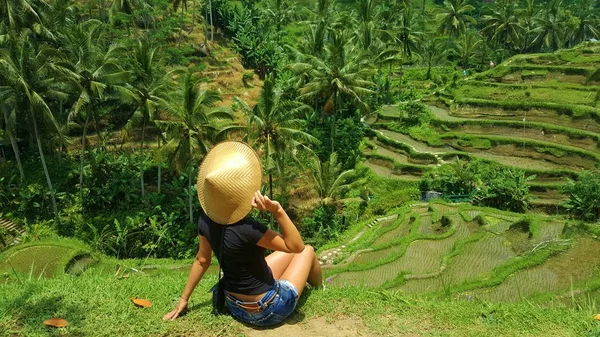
{"points": [[483, 253]]}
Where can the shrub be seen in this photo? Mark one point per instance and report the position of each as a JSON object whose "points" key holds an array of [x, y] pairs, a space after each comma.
{"points": [[506, 189], [584, 196]]}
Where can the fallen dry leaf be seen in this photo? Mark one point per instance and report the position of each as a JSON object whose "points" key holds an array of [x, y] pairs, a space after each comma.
{"points": [[141, 303], [56, 322], [597, 317]]}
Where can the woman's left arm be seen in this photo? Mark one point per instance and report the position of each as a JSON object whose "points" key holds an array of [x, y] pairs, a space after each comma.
{"points": [[199, 267]]}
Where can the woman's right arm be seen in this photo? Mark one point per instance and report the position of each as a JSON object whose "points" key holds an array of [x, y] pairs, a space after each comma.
{"points": [[199, 267], [290, 240]]}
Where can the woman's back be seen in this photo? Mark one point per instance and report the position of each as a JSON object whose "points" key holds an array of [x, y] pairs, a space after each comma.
{"points": [[243, 263]]}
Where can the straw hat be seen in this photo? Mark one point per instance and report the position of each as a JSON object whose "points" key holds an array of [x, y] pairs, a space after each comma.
{"points": [[227, 180]]}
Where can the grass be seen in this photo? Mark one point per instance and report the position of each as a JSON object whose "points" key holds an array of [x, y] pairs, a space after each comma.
{"points": [[426, 134], [97, 304], [43, 258], [556, 150], [527, 94], [548, 130]]}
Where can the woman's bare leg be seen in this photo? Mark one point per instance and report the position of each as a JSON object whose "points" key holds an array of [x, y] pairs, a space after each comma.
{"points": [[304, 267], [278, 262]]}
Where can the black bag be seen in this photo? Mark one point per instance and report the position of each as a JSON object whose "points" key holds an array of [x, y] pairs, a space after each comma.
{"points": [[218, 293], [218, 299]]}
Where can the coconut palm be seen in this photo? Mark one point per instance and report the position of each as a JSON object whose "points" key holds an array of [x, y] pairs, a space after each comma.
{"points": [[9, 114], [340, 75], [93, 71], [527, 15], [432, 53], [408, 35], [550, 30], [274, 127], [455, 17], [589, 21], [279, 13], [17, 14], [315, 38], [466, 47], [328, 177], [194, 123], [148, 92], [31, 80], [502, 26]]}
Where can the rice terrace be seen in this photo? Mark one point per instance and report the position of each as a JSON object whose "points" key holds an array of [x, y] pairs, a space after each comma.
{"points": [[442, 157]]}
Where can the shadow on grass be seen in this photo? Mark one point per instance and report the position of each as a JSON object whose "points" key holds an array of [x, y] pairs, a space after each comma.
{"points": [[32, 307]]}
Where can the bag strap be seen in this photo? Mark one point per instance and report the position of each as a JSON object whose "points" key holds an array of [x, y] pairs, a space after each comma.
{"points": [[221, 251]]}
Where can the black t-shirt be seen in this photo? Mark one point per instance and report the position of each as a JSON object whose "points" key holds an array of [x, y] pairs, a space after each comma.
{"points": [[243, 262]]}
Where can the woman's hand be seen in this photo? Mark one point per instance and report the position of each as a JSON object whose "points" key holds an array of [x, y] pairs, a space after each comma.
{"points": [[181, 307], [263, 203]]}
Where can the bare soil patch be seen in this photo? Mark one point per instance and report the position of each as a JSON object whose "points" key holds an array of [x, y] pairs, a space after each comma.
{"points": [[316, 327]]}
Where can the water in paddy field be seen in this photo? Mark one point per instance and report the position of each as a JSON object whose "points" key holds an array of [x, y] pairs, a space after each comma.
{"points": [[437, 266]]}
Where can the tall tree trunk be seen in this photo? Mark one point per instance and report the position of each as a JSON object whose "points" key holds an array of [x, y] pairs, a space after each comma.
{"points": [[102, 16], [85, 126], [212, 27], [98, 133], [335, 111], [15, 146], [193, 14], [43, 159], [142, 157], [190, 181], [181, 28], [159, 168]]}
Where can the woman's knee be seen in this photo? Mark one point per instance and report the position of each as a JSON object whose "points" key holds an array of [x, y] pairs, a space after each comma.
{"points": [[309, 250]]}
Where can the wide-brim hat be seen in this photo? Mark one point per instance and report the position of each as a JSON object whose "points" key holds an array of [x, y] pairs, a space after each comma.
{"points": [[229, 176]]}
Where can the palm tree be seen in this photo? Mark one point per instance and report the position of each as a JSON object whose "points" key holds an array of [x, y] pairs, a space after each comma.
{"points": [[408, 34], [328, 177], [148, 90], [551, 27], [340, 75], [431, 54], [314, 39], [275, 128], [194, 123], [466, 47], [31, 80], [527, 16], [94, 71], [279, 13], [455, 17], [589, 20], [17, 14], [502, 26], [10, 122]]}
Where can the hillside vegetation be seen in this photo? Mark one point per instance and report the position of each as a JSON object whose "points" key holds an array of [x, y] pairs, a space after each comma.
{"points": [[538, 112], [357, 109]]}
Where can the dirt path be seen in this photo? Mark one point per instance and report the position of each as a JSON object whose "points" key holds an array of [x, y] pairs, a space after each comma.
{"points": [[315, 327]]}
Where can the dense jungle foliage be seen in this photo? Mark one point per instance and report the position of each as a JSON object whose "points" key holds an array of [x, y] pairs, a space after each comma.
{"points": [[106, 112]]}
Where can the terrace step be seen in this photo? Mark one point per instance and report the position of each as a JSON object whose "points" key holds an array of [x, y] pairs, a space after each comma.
{"points": [[12, 227], [328, 256]]}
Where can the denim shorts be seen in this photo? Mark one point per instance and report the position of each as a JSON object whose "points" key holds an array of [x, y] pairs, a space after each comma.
{"points": [[271, 313]]}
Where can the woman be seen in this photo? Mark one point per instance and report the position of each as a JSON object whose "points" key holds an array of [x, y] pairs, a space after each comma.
{"points": [[259, 291]]}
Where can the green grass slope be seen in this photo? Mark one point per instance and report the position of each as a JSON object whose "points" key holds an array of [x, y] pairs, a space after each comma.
{"points": [[98, 303]]}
